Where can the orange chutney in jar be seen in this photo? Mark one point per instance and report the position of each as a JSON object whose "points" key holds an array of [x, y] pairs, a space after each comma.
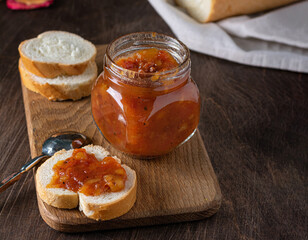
{"points": [[145, 102]]}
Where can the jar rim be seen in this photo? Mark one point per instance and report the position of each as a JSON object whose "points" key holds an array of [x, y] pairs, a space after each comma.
{"points": [[151, 37]]}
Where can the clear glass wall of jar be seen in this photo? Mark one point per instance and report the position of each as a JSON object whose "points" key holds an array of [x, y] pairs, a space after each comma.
{"points": [[146, 114]]}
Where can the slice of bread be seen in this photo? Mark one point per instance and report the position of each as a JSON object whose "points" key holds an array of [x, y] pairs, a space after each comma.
{"points": [[61, 87], [102, 207], [212, 10], [56, 53]]}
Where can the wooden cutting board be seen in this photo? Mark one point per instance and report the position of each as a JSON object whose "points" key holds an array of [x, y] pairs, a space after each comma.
{"points": [[180, 186]]}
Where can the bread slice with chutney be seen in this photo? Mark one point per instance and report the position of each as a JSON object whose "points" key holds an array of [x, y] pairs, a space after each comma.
{"points": [[105, 206]]}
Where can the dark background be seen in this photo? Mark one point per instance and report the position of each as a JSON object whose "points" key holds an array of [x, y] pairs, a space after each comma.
{"points": [[253, 123]]}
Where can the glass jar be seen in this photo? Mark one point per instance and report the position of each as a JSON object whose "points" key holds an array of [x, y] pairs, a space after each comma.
{"points": [[146, 114]]}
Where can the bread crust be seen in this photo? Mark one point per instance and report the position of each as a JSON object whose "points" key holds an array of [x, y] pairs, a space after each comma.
{"points": [[58, 201], [220, 9], [67, 201], [113, 209], [98, 211], [56, 92], [53, 69], [226, 8]]}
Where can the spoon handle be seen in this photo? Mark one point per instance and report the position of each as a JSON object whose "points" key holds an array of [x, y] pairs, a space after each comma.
{"points": [[14, 177], [10, 180]]}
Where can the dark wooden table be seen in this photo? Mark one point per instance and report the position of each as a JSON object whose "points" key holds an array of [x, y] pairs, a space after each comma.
{"points": [[254, 124]]}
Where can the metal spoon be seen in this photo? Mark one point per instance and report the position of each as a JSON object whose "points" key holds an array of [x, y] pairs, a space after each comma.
{"points": [[57, 142]]}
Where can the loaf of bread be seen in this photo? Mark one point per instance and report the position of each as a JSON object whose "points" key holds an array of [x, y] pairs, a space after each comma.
{"points": [[103, 207], [212, 10], [56, 53], [62, 87]]}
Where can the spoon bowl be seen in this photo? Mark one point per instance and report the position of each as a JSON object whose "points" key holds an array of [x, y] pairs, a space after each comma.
{"points": [[67, 141]]}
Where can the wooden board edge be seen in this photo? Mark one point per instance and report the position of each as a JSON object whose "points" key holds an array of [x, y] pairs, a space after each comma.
{"points": [[53, 222]]}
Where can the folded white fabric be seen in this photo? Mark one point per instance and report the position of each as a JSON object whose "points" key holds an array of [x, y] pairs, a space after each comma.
{"points": [[276, 39]]}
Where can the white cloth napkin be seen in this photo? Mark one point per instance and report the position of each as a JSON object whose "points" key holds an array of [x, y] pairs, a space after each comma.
{"points": [[276, 39]]}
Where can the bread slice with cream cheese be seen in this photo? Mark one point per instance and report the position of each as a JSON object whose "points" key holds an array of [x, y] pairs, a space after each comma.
{"points": [[56, 53]]}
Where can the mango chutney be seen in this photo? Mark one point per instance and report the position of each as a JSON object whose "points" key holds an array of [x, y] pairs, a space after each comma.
{"points": [[145, 102], [83, 173]]}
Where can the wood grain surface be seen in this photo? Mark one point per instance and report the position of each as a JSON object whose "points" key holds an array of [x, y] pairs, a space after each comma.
{"points": [[253, 123], [180, 186]]}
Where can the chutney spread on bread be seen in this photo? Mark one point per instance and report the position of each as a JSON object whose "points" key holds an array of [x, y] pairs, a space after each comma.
{"points": [[83, 173]]}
